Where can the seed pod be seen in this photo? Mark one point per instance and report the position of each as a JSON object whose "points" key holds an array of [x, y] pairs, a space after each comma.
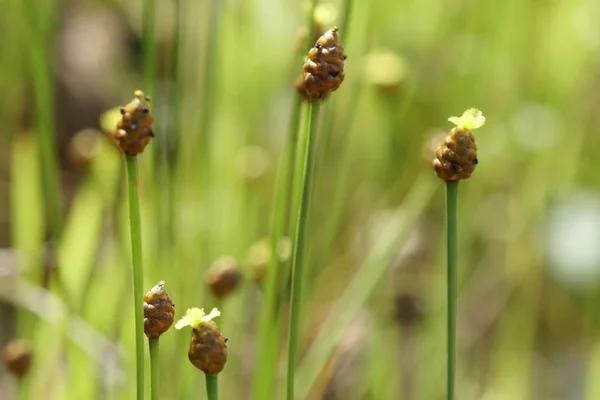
{"points": [[259, 256], [208, 347], [456, 158], [17, 357], [323, 71], [134, 129], [408, 309], [223, 276], [159, 311]]}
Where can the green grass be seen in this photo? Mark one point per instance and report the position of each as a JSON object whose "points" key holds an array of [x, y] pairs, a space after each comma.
{"points": [[221, 82]]}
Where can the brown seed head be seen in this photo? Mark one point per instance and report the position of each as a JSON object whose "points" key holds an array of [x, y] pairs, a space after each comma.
{"points": [[17, 357], [408, 309], [159, 311], [323, 71], [134, 129], [223, 276], [208, 347], [456, 158]]}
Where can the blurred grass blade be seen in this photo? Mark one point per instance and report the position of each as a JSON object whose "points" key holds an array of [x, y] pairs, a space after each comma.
{"points": [[82, 236], [395, 233], [38, 30], [27, 202]]}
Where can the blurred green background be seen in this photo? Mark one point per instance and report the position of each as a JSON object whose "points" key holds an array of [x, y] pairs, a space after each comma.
{"points": [[374, 300]]}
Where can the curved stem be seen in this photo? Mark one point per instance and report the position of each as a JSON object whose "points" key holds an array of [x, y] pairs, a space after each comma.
{"points": [[212, 387], [299, 249], [138, 273], [154, 368], [452, 257]]}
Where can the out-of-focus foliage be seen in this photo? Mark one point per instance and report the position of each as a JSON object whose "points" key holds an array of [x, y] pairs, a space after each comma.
{"points": [[374, 299]]}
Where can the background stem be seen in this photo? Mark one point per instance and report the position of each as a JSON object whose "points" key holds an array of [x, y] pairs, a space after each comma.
{"points": [[138, 273], [299, 248], [212, 387], [452, 252], [154, 368]]}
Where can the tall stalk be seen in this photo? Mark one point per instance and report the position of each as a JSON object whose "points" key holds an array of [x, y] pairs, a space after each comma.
{"points": [[451, 257], [212, 387], [154, 368], [138, 273], [268, 329], [304, 175]]}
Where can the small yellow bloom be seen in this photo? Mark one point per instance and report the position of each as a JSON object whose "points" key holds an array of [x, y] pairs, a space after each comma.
{"points": [[470, 120], [195, 317]]}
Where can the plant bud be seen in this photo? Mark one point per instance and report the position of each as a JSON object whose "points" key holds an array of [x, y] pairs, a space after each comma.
{"points": [[208, 347], [323, 71], [134, 128], [223, 276], [159, 311], [456, 158], [17, 357]]}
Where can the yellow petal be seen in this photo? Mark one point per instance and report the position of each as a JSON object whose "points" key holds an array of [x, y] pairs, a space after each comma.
{"points": [[196, 316], [470, 120], [192, 317], [213, 314]]}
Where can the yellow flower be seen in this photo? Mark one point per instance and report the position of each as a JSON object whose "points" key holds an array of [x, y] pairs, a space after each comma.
{"points": [[195, 317], [470, 120]]}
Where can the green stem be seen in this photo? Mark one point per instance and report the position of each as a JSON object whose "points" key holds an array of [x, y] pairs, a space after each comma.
{"points": [[452, 252], [154, 368], [305, 176], [266, 348], [268, 333], [212, 387], [138, 272]]}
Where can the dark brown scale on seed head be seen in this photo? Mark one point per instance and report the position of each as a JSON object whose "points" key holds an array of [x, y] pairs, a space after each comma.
{"points": [[224, 276], [134, 129], [208, 347], [323, 71], [159, 311], [17, 357], [456, 158]]}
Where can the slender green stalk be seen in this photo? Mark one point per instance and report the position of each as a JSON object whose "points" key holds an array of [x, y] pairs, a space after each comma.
{"points": [[299, 249], [138, 272], [266, 348], [212, 387], [452, 252], [154, 368], [268, 333]]}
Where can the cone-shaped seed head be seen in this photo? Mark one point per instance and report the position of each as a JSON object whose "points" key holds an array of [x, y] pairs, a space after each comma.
{"points": [[208, 347], [456, 158], [323, 71], [17, 357], [159, 311], [134, 129], [223, 276]]}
